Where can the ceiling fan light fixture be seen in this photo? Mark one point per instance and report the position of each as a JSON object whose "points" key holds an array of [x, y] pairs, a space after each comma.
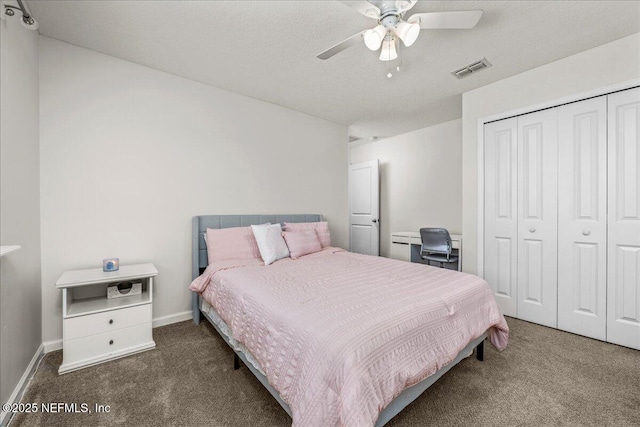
{"points": [[373, 38], [388, 51], [390, 25], [408, 32]]}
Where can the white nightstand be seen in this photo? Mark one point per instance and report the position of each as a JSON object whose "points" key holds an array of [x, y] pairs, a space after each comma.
{"points": [[96, 329]]}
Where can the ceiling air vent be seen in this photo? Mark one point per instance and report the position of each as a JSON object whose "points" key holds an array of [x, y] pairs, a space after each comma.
{"points": [[474, 67]]}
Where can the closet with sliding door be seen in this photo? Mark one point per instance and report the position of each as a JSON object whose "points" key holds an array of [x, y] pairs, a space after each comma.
{"points": [[561, 235]]}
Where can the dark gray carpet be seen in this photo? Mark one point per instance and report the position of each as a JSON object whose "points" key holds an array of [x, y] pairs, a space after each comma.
{"points": [[544, 377]]}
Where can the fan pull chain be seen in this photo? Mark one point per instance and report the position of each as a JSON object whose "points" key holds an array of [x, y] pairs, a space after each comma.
{"points": [[389, 75]]}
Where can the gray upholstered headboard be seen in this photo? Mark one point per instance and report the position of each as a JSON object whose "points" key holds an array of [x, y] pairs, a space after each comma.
{"points": [[199, 258]]}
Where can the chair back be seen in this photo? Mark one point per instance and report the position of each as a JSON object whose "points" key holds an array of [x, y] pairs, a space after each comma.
{"points": [[435, 240]]}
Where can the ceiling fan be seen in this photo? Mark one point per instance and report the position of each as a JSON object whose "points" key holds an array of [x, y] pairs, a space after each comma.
{"points": [[392, 25]]}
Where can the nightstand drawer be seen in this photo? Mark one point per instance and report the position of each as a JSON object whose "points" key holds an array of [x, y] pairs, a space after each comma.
{"points": [[106, 344], [92, 324]]}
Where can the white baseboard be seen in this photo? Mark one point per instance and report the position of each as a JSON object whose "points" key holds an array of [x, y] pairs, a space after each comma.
{"points": [[22, 384], [54, 345], [172, 318]]}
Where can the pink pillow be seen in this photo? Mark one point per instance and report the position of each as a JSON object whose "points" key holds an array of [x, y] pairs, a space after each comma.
{"points": [[301, 242], [321, 228], [231, 243]]}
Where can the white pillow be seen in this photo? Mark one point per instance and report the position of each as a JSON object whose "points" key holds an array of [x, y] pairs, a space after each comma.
{"points": [[270, 242]]}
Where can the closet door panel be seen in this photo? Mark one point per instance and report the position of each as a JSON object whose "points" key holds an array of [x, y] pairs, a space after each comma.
{"points": [[537, 217], [623, 280], [500, 216], [582, 217]]}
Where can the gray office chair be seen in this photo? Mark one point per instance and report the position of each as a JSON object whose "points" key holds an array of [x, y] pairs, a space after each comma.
{"points": [[436, 246]]}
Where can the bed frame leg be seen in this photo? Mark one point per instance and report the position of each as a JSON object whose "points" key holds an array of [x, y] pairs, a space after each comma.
{"points": [[195, 308], [480, 351], [236, 362]]}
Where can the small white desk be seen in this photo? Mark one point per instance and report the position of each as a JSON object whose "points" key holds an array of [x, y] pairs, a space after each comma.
{"points": [[4, 250], [405, 245]]}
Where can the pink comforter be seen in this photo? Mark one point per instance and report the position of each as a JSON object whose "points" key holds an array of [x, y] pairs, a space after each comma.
{"points": [[339, 335]]}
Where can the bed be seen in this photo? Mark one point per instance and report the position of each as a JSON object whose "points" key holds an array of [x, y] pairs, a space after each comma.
{"points": [[323, 363]]}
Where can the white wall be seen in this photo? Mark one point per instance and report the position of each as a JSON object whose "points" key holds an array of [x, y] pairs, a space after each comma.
{"points": [[605, 65], [420, 179], [129, 155], [20, 303]]}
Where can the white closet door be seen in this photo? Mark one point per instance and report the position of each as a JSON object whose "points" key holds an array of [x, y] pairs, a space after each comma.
{"points": [[623, 284], [538, 217], [500, 216], [582, 217]]}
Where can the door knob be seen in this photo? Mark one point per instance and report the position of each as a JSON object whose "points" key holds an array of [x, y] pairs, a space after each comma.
{"points": [[586, 232], [532, 230]]}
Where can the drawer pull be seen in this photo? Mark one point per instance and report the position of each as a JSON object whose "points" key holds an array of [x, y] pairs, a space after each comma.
{"points": [[110, 342], [586, 232], [111, 321]]}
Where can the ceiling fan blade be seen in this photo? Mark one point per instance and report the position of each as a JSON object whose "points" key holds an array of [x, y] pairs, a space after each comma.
{"points": [[340, 46], [447, 20], [404, 5], [364, 7]]}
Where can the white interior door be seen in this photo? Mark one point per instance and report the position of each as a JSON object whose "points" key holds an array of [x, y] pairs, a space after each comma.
{"points": [[582, 217], [623, 281], [364, 208], [500, 216], [538, 217]]}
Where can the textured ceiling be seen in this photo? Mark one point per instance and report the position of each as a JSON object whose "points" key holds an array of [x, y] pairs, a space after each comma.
{"points": [[267, 50]]}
